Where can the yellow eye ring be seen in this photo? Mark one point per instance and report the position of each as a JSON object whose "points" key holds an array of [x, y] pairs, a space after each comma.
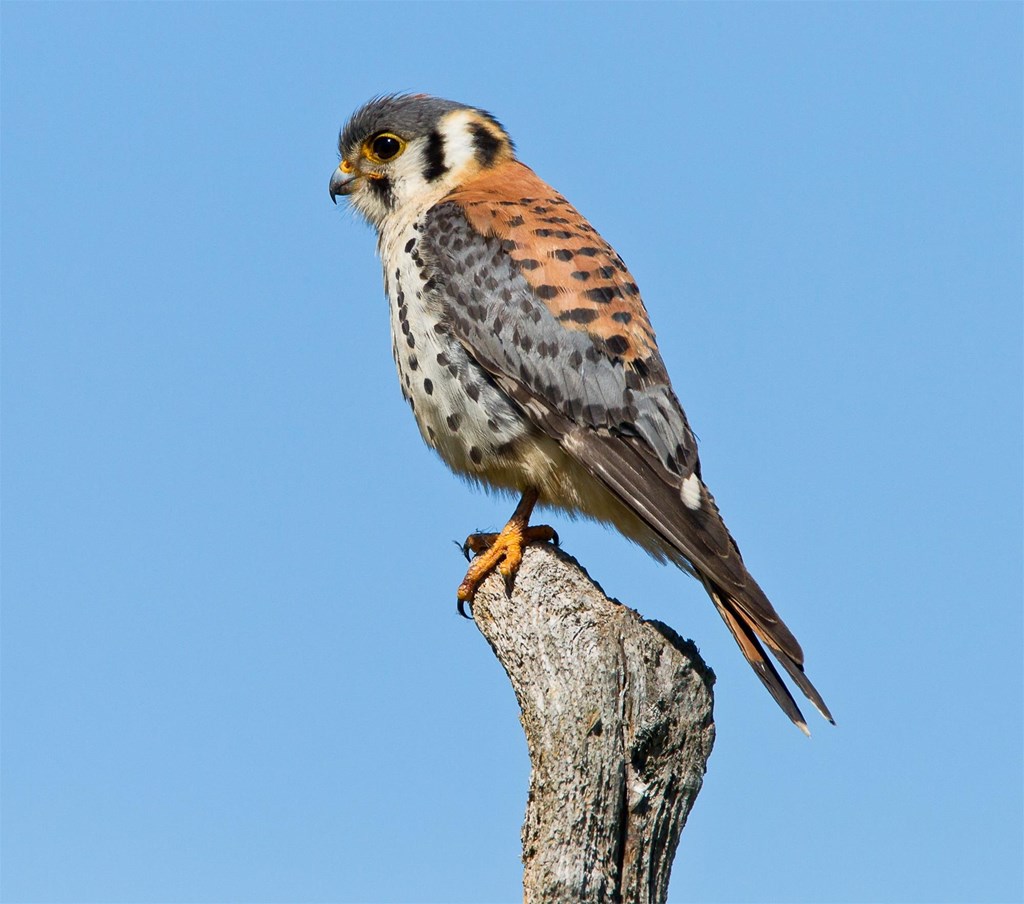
{"points": [[383, 147]]}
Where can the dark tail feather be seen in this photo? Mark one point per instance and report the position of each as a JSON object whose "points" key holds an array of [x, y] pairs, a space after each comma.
{"points": [[796, 672], [749, 634], [791, 659], [743, 631]]}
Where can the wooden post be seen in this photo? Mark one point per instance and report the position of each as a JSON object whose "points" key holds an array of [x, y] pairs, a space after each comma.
{"points": [[618, 719]]}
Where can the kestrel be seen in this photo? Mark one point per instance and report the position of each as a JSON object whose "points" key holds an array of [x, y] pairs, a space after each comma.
{"points": [[527, 357]]}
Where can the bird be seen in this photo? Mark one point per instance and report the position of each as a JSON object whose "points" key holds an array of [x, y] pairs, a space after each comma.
{"points": [[527, 356]]}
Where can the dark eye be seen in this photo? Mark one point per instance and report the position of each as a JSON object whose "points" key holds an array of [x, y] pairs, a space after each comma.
{"points": [[384, 147]]}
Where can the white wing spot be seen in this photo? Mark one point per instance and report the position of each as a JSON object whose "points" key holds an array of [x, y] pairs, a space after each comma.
{"points": [[690, 491]]}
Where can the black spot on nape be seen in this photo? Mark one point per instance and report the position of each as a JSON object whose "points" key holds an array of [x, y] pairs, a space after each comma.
{"points": [[476, 455], [617, 345], [428, 386], [435, 166], [622, 316], [546, 291], [486, 144], [515, 221], [579, 315], [563, 254], [453, 421]]}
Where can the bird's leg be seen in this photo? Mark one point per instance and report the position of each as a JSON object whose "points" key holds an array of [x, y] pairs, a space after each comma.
{"points": [[503, 550]]}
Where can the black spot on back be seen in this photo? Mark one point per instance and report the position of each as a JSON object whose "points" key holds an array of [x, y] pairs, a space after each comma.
{"points": [[603, 294], [617, 344], [579, 315]]}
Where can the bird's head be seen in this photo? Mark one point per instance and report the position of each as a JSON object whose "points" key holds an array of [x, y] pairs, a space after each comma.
{"points": [[405, 149]]}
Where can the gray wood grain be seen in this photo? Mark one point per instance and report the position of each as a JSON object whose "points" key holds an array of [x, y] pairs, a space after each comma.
{"points": [[618, 719]]}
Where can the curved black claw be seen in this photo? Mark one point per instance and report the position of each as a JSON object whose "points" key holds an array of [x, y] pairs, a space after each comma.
{"points": [[462, 609], [464, 549], [554, 539]]}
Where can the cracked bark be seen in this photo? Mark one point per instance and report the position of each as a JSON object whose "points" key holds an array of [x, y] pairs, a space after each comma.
{"points": [[617, 713]]}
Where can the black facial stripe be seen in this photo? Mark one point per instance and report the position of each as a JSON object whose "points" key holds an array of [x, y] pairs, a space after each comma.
{"points": [[485, 144], [434, 154], [382, 189]]}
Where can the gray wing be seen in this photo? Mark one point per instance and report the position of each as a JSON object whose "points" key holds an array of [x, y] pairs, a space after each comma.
{"points": [[604, 395]]}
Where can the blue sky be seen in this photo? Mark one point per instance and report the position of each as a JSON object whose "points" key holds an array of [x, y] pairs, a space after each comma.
{"points": [[232, 667]]}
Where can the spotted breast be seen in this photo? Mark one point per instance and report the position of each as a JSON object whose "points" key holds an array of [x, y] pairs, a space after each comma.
{"points": [[460, 411], [527, 355]]}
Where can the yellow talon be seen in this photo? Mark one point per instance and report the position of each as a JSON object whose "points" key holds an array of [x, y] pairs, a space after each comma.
{"points": [[503, 550]]}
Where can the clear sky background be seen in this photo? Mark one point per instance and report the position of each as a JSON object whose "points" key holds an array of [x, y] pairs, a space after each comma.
{"points": [[232, 666]]}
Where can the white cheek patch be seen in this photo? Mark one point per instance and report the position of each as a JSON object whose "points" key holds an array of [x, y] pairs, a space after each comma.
{"points": [[690, 491], [407, 180], [459, 148]]}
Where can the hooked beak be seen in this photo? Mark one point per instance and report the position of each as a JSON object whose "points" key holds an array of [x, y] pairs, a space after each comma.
{"points": [[342, 180]]}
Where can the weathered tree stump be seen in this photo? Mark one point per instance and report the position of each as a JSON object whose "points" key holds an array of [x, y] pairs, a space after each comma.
{"points": [[618, 719]]}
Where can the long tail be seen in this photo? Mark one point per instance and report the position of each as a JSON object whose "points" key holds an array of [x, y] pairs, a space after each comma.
{"points": [[697, 540], [749, 634]]}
